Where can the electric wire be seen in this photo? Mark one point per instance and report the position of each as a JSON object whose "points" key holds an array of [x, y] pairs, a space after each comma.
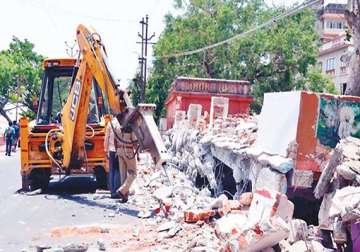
{"points": [[297, 9]]}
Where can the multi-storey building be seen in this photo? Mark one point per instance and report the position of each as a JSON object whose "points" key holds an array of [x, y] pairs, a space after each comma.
{"points": [[335, 48]]}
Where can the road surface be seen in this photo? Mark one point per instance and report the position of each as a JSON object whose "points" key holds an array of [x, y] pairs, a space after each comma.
{"points": [[29, 220]]}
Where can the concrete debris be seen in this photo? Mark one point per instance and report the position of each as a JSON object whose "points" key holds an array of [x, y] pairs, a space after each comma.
{"points": [[41, 247], [261, 236], [166, 226], [76, 247], [328, 173], [220, 192], [228, 224], [101, 245], [298, 230], [54, 250], [266, 204], [276, 162], [346, 203], [273, 180], [173, 231], [313, 246], [202, 153], [144, 213], [339, 188]]}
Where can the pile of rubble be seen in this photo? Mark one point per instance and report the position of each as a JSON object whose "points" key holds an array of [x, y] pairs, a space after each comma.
{"points": [[254, 222], [177, 215], [198, 152], [230, 141], [339, 188], [251, 221]]}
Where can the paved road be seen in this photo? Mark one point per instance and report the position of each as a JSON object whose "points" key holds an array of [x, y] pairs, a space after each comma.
{"points": [[27, 219]]}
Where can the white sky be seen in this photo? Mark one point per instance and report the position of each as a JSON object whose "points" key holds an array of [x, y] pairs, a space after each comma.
{"points": [[49, 23]]}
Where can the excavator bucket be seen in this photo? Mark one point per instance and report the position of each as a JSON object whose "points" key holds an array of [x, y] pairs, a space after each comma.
{"points": [[140, 120]]}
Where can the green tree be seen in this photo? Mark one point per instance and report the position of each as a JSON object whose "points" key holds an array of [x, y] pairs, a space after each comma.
{"points": [[20, 74], [273, 59], [318, 82], [135, 88]]}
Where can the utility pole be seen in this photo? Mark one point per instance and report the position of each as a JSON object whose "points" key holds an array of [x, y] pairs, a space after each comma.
{"points": [[145, 41], [71, 49]]}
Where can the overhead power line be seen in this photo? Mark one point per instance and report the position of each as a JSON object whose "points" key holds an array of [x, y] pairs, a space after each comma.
{"points": [[297, 9]]}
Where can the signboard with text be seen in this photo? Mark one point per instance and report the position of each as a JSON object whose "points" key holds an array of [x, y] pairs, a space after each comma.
{"points": [[213, 87]]}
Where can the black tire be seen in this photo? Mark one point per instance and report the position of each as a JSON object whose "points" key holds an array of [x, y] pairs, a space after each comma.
{"points": [[39, 179], [25, 181], [101, 177]]}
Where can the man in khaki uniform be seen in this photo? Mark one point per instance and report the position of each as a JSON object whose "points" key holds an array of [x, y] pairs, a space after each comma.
{"points": [[127, 161]]}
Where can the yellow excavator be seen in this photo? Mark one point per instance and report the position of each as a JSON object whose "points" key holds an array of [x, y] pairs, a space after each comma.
{"points": [[78, 98]]}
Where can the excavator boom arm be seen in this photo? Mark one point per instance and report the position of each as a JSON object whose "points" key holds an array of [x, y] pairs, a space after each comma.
{"points": [[94, 65]]}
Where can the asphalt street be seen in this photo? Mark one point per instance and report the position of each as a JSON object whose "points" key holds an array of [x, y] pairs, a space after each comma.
{"points": [[27, 220]]}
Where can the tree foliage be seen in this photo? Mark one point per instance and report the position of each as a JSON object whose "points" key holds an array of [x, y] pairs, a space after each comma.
{"points": [[318, 82], [20, 74], [273, 59], [135, 88]]}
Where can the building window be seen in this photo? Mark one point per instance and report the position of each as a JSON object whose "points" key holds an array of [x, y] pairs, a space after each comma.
{"points": [[343, 65], [343, 88], [335, 25], [330, 64]]}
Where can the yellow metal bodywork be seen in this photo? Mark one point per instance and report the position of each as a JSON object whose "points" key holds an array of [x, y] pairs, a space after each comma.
{"points": [[32, 157], [70, 139], [93, 66]]}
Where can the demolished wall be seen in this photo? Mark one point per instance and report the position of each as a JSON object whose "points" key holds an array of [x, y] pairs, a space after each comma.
{"points": [[234, 142]]}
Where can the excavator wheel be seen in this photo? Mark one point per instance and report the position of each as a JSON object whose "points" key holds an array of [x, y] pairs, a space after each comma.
{"points": [[39, 178], [101, 177], [25, 181]]}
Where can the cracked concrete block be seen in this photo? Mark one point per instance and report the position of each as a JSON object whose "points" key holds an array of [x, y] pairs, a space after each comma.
{"points": [[229, 225], [261, 236], [272, 180], [267, 203]]}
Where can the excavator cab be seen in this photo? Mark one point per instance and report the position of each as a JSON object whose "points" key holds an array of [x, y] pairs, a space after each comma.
{"points": [[36, 166], [57, 81]]}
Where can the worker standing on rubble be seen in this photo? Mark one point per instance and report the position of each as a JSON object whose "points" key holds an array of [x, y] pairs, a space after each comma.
{"points": [[110, 144], [126, 151]]}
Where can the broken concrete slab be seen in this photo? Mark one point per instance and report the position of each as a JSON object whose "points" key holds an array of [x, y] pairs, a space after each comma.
{"points": [[328, 173], [273, 180], [72, 247], [261, 236], [298, 230], [314, 246], [266, 204], [276, 162], [344, 201], [228, 225], [166, 226]]}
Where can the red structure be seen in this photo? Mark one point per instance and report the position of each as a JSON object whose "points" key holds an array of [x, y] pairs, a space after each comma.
{"points": [[186, 90]]}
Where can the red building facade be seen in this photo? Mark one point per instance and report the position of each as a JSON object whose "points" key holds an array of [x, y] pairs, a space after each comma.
{"points": [[186, 90]]}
